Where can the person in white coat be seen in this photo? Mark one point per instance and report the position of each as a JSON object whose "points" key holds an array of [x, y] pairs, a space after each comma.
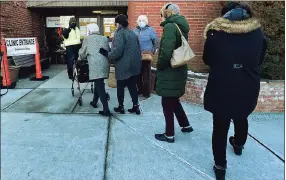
{"points": [[98, 65]]}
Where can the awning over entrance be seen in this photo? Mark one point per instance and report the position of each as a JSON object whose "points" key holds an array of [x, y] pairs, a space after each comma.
{"points": [[75, 3]]}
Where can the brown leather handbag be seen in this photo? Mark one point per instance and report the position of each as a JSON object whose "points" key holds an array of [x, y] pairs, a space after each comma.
{"points": [[146, 56]]}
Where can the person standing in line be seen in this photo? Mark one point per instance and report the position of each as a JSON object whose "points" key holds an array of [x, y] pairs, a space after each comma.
{"points": [[171, 82], [148, 44], [126, 55], [72, 43], [234, 49], [98, 65]]}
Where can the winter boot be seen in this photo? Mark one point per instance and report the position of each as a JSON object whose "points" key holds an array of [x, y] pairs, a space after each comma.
{"points": [[135, 109], [237, 149], [119, 109], [219, 172]]}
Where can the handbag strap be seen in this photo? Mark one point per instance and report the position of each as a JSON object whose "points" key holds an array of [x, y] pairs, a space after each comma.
{"points": [[139, 39], [179, 29]]}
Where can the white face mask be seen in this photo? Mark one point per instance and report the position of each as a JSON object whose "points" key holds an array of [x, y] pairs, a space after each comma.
{"points": [[142, 24]]}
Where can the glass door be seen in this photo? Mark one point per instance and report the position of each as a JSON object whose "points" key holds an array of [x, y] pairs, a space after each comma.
{"points": [[109, 26], [83, 22]]}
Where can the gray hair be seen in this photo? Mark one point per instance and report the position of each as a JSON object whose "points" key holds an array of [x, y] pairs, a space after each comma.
{"points": [[143, 18]]}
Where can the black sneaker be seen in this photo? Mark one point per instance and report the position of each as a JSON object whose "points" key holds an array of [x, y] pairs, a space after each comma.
{"points": [[119, 109], [135, 109], [219, 173], [163, 137], [237, 149], [187, 129], [94, 105], [107, 113]]}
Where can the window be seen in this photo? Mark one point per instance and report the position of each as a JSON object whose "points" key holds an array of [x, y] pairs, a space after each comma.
{"points": [[83, 22], [109, 26]]}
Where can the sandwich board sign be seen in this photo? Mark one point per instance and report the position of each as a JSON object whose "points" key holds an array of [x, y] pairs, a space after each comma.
{"points": [[20, 46]]}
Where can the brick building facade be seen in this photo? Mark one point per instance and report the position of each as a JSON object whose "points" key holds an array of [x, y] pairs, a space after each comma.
{"points": [[20, 20], [198, 15], [17, 21]]}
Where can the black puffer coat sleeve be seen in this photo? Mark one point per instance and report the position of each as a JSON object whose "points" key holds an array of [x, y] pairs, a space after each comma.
{"points": [[66, 33]]}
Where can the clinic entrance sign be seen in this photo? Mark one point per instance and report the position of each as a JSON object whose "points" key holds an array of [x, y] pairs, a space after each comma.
{"points": [[26, 46], [20, 46]]}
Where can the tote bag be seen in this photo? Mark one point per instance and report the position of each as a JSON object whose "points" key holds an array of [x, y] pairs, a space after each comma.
{"points": [[183, 54]]}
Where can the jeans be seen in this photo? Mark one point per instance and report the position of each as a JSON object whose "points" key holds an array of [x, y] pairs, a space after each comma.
{"points": [[219, 138], [72, 55], [99, 92], [143, 83], [173, 106], [131, 85]]}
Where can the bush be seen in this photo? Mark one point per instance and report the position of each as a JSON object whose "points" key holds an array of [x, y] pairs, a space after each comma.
{"points": [[272, 14]]}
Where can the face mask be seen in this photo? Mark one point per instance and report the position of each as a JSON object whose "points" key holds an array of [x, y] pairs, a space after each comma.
{"points": [[142, 24]]}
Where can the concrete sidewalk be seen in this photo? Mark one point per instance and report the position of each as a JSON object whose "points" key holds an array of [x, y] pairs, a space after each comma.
{"points": [[46, 135]]}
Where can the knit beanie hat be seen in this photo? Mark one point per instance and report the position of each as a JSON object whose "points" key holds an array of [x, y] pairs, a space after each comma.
{"points": [[174, 8], [92, 28], [122, 20], [72, 20], [170, 9]]}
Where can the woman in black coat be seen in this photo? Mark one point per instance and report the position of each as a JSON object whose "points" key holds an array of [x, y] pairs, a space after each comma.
{"points": [[234, 49]]}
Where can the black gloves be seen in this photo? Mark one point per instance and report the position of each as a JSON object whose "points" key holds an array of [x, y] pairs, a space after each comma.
{"points": [[103, 52], [66, 33]]}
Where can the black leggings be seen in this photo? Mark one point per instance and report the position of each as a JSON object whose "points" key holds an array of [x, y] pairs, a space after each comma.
{"points": [[131, 84], [219, 139], [99, 92]]}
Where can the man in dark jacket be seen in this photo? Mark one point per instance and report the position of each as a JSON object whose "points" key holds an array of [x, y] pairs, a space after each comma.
{"points": [[126, 55], [234, 49], [171, 82]]}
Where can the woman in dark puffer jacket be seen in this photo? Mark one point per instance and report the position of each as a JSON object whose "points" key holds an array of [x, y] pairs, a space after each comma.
{"points": [[234, 49]]}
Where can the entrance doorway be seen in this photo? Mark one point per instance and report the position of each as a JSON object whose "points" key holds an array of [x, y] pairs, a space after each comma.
{"points": [[106, 25]]}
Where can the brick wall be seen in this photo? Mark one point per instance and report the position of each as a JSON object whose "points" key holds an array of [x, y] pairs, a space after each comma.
{"points": [[17, 21], [271, 96], [198, 15]]}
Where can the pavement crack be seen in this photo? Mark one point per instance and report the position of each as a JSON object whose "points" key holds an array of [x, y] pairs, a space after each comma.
{"points": [[107, 147], [77, 102], [3, 110]]}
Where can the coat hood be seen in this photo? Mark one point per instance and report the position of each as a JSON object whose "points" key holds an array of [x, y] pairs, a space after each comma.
{"points": [[233, 27], [181, 21]]}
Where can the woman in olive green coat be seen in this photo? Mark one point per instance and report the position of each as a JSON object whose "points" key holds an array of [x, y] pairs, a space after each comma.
{"points": [[171, 82]]}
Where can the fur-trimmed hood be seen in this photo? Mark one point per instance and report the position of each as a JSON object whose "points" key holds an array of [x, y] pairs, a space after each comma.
{"points": [[233, 27]]}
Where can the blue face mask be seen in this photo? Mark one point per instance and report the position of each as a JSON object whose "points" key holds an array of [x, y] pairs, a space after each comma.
{"points": [[142, 24]]}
